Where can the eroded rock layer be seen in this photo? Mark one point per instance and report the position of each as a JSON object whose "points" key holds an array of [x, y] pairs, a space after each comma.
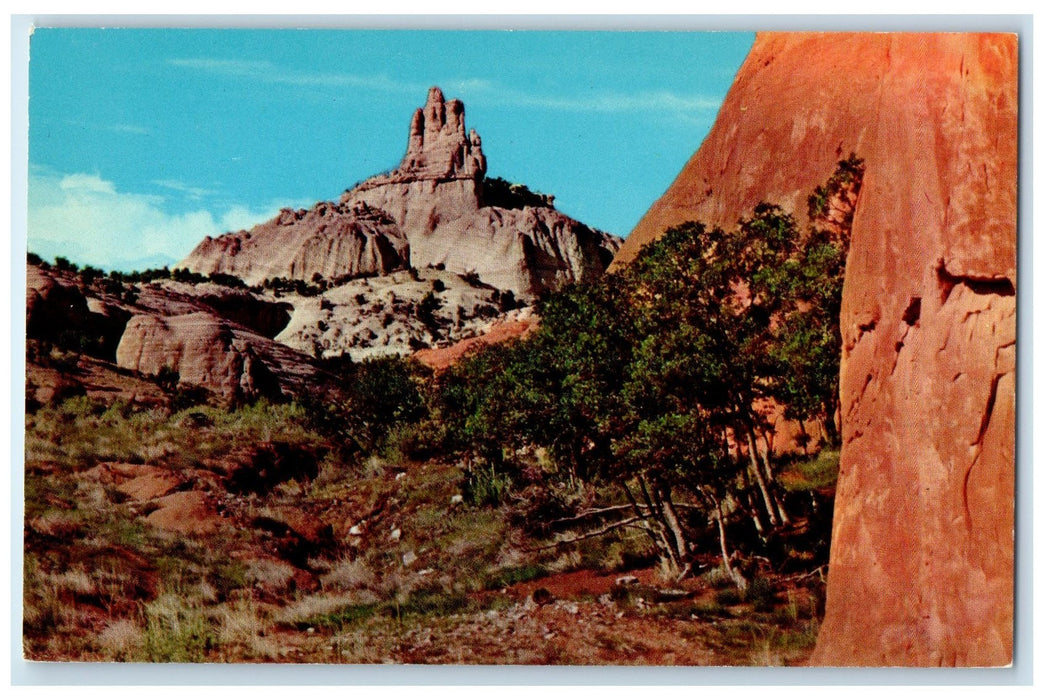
{"points": [[429, 211], [921, 568], [330, 240]]}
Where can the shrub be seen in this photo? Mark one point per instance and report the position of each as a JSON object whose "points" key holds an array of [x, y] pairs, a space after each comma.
{"points": [[728, 596], [498, 192], [63, 264], [761, 594], [510, 575], [484, 486], [175, 632]]}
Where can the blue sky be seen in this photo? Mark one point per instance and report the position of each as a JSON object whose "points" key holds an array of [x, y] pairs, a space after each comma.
{"points": [[141, 142]]}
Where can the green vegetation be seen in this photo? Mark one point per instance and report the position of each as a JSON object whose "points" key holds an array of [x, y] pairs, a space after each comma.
{"points": [[498, 192], [627, 432], [653, 381]]}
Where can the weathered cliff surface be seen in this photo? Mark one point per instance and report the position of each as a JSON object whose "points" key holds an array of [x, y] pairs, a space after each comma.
{"points": [[921, 568], [429, 211], [331, 240]]}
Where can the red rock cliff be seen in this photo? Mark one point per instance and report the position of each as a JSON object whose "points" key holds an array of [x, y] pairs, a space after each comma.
{"points": [[921, 566]]}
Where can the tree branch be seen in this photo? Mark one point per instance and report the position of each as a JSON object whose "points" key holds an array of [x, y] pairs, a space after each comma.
{"points": [[588, 535], [591, 513]]}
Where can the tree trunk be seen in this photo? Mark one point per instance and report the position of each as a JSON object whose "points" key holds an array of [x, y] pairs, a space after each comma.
{"points": [[670, 518], [755, 467], [766, 455], [766, 460], [668, 554], [804, 436], [737, 578], [638, 511], [830, 428], [752, 504]]}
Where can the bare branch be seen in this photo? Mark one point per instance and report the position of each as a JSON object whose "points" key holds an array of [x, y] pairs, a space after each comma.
{"points": [[588, 535], [591, 513]]}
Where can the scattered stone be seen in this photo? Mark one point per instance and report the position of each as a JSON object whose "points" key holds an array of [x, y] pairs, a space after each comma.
{"points": [[185, 512]]}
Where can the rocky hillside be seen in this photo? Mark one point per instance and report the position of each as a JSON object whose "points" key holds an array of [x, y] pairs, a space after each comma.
{"points": [[435, 209], [203, 335], [921, 569]]}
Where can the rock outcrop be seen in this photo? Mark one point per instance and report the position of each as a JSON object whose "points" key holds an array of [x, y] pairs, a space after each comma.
{"points": [[331, 240], [921, 567], [57, 310], [200, 347], [441, 359], [392, 315], [429, 211], [52, 305], [209, 351]]}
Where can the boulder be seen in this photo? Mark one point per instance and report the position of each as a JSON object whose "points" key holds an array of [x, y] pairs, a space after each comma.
{"points": [[921, 566], [185, 512], [201, 348]]}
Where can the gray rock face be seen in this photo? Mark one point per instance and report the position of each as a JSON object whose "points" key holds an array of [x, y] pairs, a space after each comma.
{"points": [[438, 148], [332, 240], [392, 314], [428, 211]]}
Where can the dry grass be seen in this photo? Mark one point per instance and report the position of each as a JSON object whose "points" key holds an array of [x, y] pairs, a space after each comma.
{"points": [[121, 640], [102, 584], [270, 573], [322, 604], [349, 575]]}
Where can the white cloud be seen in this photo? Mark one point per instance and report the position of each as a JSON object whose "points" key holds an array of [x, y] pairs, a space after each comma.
{"points": [[84, 218], [84, 184], [191, 191], [265, 71]]}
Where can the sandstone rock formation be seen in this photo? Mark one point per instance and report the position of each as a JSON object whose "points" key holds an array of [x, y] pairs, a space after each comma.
{"points": [[331, 240], [428, 211], [57, 310], [392, 314], [517, 326], [209, 351], [212, 336], [921, 569], [52, 305]]}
